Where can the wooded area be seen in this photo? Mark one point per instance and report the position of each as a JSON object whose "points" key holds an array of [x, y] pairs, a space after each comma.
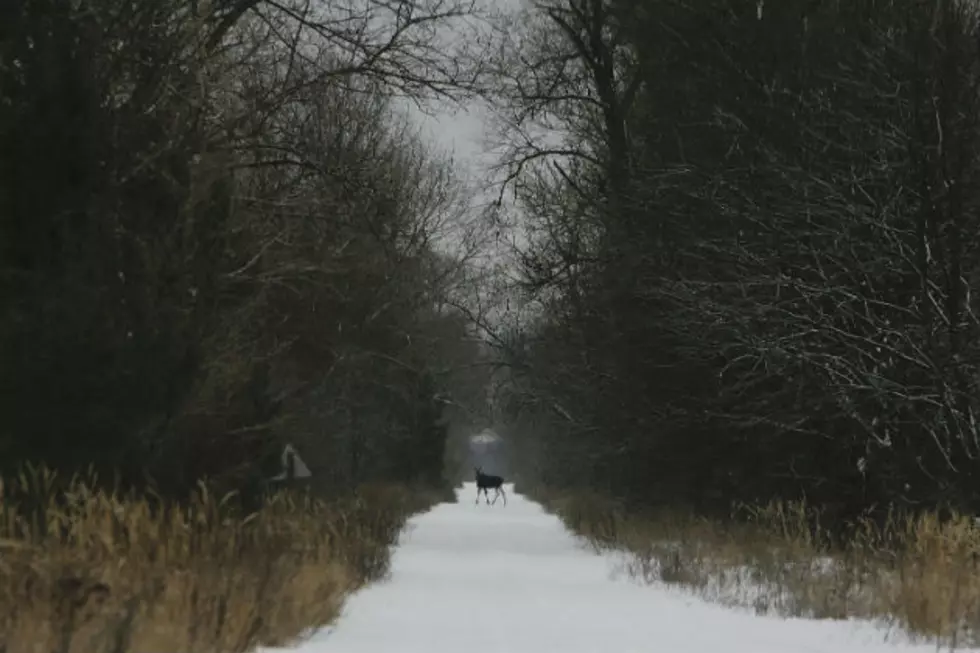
{"points": [[744, 236], [218, 235], [752, 237], [729, 266]]}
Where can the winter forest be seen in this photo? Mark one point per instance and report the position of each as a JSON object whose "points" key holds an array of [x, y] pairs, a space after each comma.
{"points": [[723, 255], [751, 254]]}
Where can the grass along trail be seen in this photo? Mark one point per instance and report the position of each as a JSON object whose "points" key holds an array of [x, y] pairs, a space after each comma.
{"points": [[512, 579]]}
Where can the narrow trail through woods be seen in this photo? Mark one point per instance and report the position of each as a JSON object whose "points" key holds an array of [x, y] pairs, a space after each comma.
{"points": [[479, 579]]}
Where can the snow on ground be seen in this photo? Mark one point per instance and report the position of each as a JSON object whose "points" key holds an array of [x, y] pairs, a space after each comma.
{"points": [[479, 579]]}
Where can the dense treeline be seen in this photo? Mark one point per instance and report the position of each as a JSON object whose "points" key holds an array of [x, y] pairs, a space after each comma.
{"points": [[218, 235], [752, 241]]}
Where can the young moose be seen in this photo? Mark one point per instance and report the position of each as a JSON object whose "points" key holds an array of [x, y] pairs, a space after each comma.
{"points": [[487, 481]]}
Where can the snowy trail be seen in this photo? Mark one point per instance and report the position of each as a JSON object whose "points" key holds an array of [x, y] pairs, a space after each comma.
{"points": [[476, 579]]}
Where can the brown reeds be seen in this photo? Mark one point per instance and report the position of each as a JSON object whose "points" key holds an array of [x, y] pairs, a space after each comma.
{"points": [[90, 571], [918, 572]]}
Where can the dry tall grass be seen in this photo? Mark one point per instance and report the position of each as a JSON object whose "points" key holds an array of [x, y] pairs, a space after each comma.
{"points": [[86, 571], [919, 573]]}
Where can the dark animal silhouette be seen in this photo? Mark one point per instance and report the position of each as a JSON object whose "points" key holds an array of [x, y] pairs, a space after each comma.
{"points": [[486, 482]]}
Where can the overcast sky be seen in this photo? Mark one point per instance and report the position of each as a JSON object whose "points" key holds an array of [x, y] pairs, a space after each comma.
{"points": [[461, 132]]}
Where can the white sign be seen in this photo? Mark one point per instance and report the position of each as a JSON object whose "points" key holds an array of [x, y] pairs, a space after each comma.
{"points": [[291, 462]]}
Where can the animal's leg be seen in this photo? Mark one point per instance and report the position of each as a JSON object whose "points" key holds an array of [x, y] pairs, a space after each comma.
{"points": [[500, 493]]}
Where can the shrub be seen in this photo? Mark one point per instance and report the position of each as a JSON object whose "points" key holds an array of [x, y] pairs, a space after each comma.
{"points": [[87, 570]]}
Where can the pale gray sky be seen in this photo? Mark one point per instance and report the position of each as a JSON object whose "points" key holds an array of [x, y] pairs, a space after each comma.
{"points": [[462, 132], [457, 131]]}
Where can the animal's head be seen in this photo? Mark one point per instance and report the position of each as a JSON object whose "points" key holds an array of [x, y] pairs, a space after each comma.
{"points": [[478, 470]]}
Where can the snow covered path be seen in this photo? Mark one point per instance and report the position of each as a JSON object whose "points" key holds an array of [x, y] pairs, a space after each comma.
{"points": [[476, 579]]}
